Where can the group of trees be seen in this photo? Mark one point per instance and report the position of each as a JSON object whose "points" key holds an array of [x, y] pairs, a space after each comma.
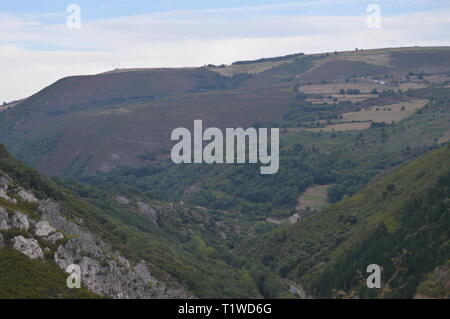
{"points": [[422, 234], [350, 91]]}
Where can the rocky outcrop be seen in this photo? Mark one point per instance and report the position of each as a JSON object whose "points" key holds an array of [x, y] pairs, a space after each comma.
{"points": [[148, 212], [43, 229], [3, 219], [27, 196], [103, 271], [20, 221], [122, 200], [4, 195], [53, 238], [5, 182], [29, 247], [294, 219], [297, 290]]}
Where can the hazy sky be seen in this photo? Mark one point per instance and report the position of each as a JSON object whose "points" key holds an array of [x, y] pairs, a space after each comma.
{"points": [[37, 47]]}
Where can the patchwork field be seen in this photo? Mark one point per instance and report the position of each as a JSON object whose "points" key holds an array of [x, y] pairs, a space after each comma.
{"points": [[386, 113], [339, 127], [314, 198], [336, 98], [365, 86], [117, 118], [438, 78]]}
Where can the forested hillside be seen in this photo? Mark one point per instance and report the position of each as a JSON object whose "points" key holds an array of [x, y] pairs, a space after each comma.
{"points": [[400, 223]]}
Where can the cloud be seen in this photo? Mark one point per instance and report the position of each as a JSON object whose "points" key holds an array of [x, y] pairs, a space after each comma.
{"points": [[33, 54]]}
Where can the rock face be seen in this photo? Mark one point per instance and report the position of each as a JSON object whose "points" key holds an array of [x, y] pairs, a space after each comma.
{"points": [[27, 196], [122, 200], [4, 195], [3, 219], [5, 182], [148, 211], [103, 271], [43, 229], [20, 221], [294, 219], [53, 238], [29, 247]]}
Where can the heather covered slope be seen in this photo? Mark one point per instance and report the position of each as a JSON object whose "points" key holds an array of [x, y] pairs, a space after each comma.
{"points": [[125, 117], [401, 223]]}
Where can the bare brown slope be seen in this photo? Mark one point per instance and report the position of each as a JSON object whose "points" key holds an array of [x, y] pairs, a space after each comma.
{"points": [[124, 117], [82, 92]]}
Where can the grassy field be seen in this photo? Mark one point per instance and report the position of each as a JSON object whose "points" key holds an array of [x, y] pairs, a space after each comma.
{"points": [[314, 198], [386, 113], [357, 126]]}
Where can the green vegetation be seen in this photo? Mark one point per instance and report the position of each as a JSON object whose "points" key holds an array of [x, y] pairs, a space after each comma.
{"points": [[347, 160], [185, 245], [208, 229], [436, 284], [23, 278], [327, 250]]}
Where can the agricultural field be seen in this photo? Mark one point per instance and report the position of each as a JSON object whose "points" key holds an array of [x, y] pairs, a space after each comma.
{"points": [[386, 113], [314, 199], [124, 117], [340, 127]]}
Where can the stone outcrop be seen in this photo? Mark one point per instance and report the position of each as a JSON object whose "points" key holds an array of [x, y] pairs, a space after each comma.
{"points": [[27, 196], [53, 238], [122, 200], [43, 229], [3, 219], [29, 247], [20, 221], [103, 270], [148, 212], [294, 219], [5, 182]]}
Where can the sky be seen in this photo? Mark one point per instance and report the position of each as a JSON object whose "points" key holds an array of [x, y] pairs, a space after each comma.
{"points": [[38, 46]]}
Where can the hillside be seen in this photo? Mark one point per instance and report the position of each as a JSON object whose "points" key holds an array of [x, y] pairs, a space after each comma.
{"points": [[364, 178], [126, 247], [88, 123], [400, 223]]}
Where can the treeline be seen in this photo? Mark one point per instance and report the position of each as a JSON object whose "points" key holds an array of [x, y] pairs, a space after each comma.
{"points": [[209, 80], [275, 59], [415, 248]]}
